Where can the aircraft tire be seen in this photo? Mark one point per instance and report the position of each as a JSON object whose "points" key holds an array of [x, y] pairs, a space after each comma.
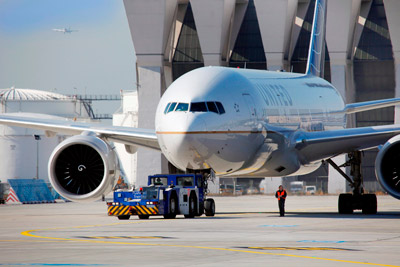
{"points": [[209, 207], [369, 204], [173, 207], [345, 204], [192, 206]]}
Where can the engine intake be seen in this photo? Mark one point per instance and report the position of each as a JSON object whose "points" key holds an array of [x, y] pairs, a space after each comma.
{"points": [[83, 168], [387, 166]]}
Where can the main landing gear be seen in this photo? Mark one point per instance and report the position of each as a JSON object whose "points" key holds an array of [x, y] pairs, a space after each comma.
{"points": [[357, 200]]}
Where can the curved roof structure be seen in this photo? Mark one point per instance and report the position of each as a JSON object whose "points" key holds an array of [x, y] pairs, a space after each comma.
{"points": [[16, 94]]}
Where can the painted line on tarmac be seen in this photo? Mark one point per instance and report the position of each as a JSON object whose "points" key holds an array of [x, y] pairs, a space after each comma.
{"points": [[30, 233]]}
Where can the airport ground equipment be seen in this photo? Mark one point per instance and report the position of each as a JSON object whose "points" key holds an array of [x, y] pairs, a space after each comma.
{"points": [[31, 191], [167, 195]]}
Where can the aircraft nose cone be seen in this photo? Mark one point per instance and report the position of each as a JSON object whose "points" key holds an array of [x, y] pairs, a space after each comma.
{"points": [[181, 142]]}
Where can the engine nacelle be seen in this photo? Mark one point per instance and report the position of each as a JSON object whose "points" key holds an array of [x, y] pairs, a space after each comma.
{"points": [[83, 168], [387, 166]]}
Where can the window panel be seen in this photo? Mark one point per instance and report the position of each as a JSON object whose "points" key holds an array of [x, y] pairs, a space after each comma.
{"points": [[172, 107], [220, 107], [166, 108], [198, 107], [182, 107], [212, 107]]}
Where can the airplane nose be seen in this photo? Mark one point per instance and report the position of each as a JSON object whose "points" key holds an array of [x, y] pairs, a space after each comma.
{"points": [[182, 144]]}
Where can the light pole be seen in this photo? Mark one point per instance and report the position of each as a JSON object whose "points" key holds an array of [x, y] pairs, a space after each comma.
{"points": [[37, 138]]}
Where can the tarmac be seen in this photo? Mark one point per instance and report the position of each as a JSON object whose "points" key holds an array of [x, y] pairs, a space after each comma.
{"points": [[246, 230]]}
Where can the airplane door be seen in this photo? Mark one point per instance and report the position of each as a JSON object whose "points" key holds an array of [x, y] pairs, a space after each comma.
{"points": [[251, 106]]}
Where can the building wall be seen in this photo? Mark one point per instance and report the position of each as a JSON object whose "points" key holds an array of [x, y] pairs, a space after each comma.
{"points": [[172, 37], [128, 118]]}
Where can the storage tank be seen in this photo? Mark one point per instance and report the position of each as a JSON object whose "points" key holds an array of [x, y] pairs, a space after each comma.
{"points": [[25, 152]]}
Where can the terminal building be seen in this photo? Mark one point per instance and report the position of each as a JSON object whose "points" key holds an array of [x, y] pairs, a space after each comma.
{"points": [[172, 37]]}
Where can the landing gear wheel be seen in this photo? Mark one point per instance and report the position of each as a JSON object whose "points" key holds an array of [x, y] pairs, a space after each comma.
{"points": [[209, 207], [345, 204], [192, 206], [173, 207], [369, 204], [124, 217], [144, 217]]}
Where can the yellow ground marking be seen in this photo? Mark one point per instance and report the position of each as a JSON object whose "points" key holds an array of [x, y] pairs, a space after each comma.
{"points": [[29, 233]]}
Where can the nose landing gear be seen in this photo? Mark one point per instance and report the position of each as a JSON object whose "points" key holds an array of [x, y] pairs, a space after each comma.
{"points": [[357, 200]]}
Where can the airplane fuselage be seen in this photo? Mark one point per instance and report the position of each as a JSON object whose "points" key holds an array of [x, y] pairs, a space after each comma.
{"points": [[248, 135]]}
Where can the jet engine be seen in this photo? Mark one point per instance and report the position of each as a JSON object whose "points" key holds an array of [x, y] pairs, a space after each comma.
{"points": [[387, 166], [83, 168]]}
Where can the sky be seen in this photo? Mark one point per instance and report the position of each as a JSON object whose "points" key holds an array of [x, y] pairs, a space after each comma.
{"points": [[97, 59]]}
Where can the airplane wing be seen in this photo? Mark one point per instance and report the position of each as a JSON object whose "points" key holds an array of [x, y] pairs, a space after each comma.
{"points": [[126, 135], [314, 146], [367, 105], [370, 105]]}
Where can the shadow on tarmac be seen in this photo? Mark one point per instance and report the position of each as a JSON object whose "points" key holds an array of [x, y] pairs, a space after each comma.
{"points": [[327, 215]]}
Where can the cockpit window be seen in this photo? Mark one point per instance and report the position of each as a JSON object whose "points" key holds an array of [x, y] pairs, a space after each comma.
{"points": [[209, 106], [182, 107], [198, 107], [172, 107], [220, 107], [212, 107], [166, 108]]}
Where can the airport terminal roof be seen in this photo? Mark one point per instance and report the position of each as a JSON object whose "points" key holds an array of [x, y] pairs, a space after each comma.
{"points": [[16, 94]]}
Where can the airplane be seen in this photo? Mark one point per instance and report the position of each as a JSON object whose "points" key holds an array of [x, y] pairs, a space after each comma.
{"points": [[234, 123], [65, 30]]}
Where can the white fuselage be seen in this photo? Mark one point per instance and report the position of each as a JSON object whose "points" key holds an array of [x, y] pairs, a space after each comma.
{"points": [[250, 136]]}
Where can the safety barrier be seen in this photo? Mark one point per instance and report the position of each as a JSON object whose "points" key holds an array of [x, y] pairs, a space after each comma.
{"points": [[31, 191]]}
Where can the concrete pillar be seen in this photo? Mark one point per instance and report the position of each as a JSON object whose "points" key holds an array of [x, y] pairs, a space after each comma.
{"points": [[276, 39], [392, 9], [341, 21], [150, 23], [397, 89], [239, 12], [213, 18]]}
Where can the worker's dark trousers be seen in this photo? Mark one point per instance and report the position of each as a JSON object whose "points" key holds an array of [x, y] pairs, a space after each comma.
{"points": [[281, 203]]}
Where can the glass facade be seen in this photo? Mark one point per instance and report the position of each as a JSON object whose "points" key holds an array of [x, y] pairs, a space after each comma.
{"points": [[374, 78], [188, 55], [248, 51], [300, 53]]}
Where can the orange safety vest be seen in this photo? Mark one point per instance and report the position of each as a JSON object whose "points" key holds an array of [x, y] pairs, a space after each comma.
{"points": [[281, 194]]}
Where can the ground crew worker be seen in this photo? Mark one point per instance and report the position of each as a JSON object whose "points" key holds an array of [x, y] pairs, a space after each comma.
{"points": [[281, 196]]}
